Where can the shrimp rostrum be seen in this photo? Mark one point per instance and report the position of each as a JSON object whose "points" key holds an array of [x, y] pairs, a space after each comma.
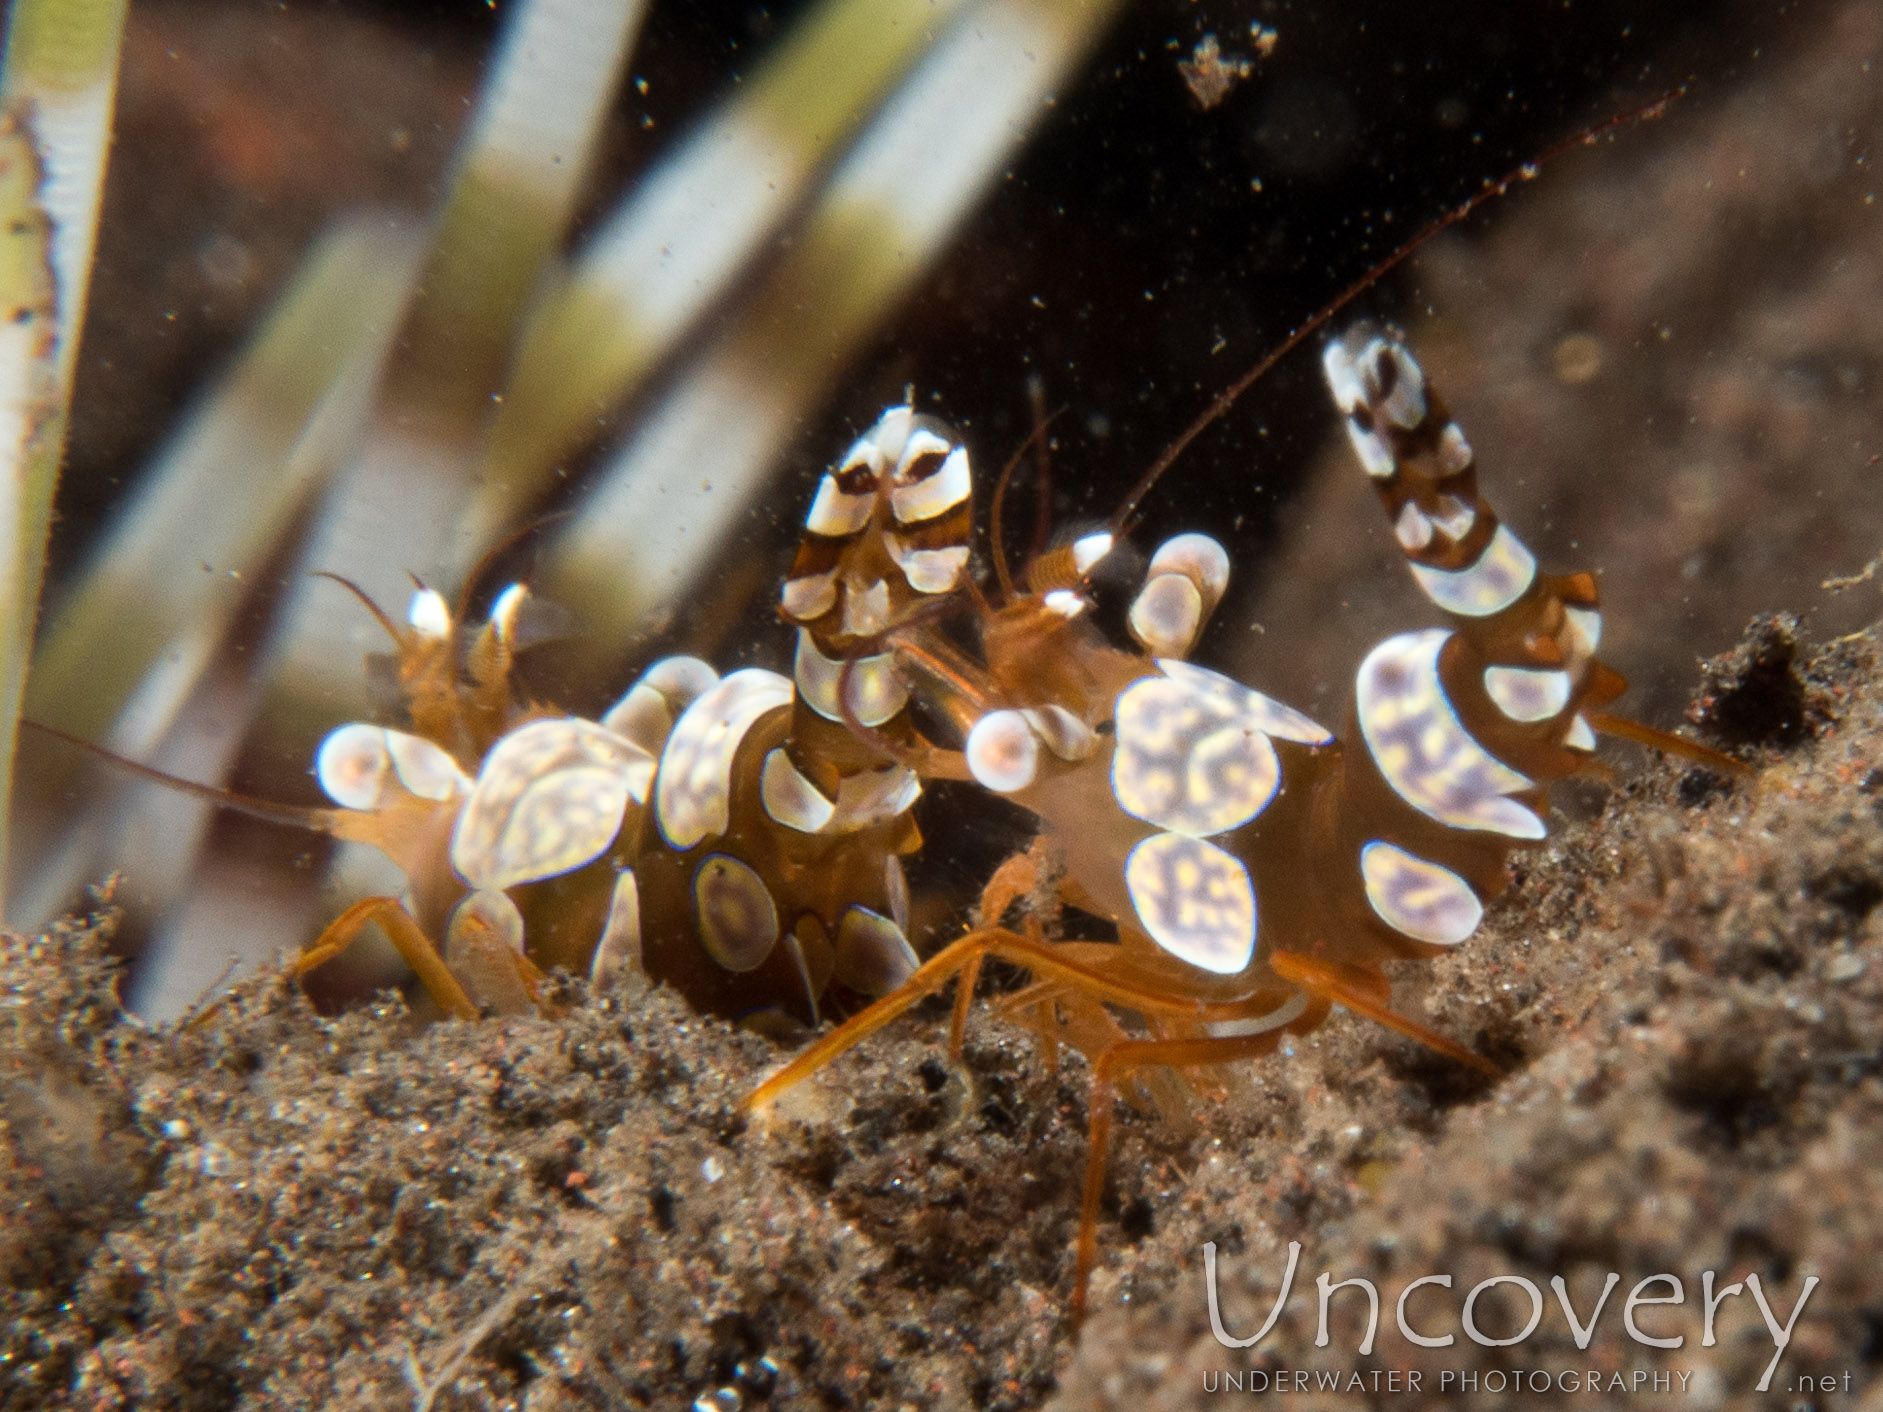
{"points": [[1260, 868]]}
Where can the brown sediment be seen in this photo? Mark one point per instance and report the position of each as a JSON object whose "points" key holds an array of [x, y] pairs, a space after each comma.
{"points": [[273, 1210]]}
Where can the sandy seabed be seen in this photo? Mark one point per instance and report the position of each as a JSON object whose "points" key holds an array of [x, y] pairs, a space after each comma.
{"points": [[271, 1209]]}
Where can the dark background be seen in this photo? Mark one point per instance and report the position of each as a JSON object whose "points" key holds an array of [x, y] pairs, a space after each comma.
{"points": [[1128, 257]]}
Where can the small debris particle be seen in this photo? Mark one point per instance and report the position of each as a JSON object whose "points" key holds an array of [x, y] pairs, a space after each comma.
{"points": [[1845, 968], [1209, 73], [1577, 359]]}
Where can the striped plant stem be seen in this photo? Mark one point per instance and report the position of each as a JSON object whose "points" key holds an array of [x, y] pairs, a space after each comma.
{"points": [[57, 87]]}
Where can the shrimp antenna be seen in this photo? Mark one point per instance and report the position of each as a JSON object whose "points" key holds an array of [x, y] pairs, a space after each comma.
{"points": [[1125, 516], [379, 614], [996, 521], [496, 551], [1042, 464], [292, 815]]}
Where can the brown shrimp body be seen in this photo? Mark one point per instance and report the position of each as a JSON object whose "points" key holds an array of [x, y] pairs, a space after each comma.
{"points": [[731, 836], [510, 822], [774, 878], [760, 915], [1465, 726], [1221, 827], [1260, 868]]}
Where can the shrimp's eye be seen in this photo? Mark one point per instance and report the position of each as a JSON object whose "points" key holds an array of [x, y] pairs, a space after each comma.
{"points": [[1003, 753]]}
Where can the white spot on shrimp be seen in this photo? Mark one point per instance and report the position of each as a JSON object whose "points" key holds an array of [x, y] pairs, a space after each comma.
{"points": [[617, 955], [1527, 693], [429, 614], [873, 957], [790, 798], [1413, 528], [1194, 900], [1003, 753], [1088, 551], [1424, 750], [693, 792], [549, 798], [810, 596], [835, 513], [877, 690], [936, 494], [1419, 898], [1167, 615], [1502, 574], [738, 921], [1587, 625]]}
